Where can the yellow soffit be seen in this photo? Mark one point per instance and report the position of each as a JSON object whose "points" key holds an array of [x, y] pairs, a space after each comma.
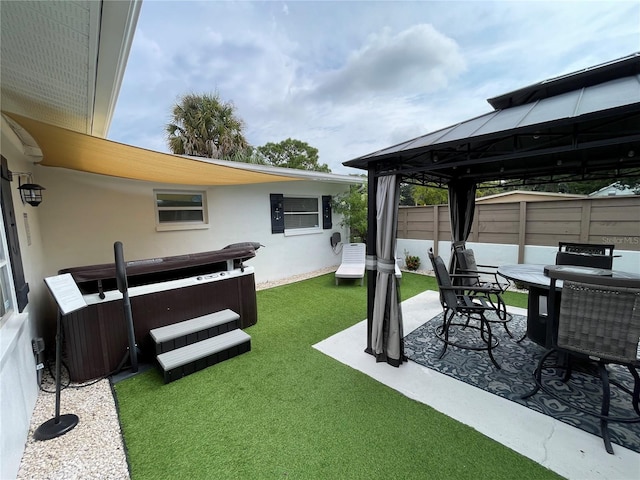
{"points": [[77, 151]]}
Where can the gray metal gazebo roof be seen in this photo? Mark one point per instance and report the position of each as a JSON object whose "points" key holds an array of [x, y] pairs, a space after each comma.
{"points": [[580, 126], [583, 125]]}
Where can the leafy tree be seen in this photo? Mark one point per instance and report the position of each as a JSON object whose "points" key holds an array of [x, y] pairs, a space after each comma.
{"points": [[353, 208], [292, 153], [248, 155], [406, 194], [205, 126], [430, 195]]}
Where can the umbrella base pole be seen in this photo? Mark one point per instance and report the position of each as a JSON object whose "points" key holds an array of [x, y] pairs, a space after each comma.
{"points": [[56, 427]]}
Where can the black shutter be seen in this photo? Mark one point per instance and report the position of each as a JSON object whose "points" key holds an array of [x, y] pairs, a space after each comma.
{"points": [[277, 212], [11, 230], [326, 212]]}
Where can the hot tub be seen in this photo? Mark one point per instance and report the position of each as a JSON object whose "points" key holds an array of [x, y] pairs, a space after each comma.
{"points": [[162, 291]]}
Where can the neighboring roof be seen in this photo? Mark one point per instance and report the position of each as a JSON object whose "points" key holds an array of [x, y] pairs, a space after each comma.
{"points": [[578, 126], [77, 151], [63, 62], [612, 191], [529, 196]]}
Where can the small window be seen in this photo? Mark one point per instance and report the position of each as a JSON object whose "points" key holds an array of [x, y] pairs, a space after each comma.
{"points": [[180, 209], [301, 213]]}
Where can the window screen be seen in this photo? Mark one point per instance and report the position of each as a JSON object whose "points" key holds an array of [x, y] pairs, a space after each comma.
{"points": [[180, 207], [301, 212]]}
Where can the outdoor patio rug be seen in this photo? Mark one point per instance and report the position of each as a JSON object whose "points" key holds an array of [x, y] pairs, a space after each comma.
{"points": [[518, 360]]}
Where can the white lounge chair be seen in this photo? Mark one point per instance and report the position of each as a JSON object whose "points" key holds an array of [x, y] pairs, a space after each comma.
{"points": [[353, 259]]}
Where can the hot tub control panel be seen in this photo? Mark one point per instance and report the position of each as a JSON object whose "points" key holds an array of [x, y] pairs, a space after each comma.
{"points": [[211, 276]]}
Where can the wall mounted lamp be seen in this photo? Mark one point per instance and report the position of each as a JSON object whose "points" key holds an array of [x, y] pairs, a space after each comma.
{"points": [[30, 192]]}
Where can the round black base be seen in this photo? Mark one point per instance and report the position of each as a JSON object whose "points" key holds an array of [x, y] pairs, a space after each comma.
{"points": [[52, 429]]}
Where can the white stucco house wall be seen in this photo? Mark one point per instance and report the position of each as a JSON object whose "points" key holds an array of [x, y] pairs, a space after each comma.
{"points": [[83, 214], [86, 209]]}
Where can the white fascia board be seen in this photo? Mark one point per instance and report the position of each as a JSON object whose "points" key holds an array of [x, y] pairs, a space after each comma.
{"points": [[286, 172], [112, 43]]}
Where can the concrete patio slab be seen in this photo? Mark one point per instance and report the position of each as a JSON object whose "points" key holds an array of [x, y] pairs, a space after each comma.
{"points": [[566, 450]]}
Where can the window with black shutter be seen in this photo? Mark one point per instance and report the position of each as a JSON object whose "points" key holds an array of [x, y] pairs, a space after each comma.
{"points": [[297, 215], [13, 245]]}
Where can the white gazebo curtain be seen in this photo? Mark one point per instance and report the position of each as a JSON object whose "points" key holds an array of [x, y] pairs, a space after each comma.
{"points": [[387, 342]]}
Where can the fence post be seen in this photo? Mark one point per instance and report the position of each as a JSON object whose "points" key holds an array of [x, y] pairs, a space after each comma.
{"points": [[522, 231], [436, 232], [585, 221]]}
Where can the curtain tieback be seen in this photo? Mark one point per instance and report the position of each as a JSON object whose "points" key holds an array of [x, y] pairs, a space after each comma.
{"points": [[386, 266]]}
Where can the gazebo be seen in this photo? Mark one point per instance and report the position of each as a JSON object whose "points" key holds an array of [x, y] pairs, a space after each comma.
{"points": [[580, 126]]}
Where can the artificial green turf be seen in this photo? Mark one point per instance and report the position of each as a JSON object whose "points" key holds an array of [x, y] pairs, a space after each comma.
{"points": [[515, 299], [285, 410]]}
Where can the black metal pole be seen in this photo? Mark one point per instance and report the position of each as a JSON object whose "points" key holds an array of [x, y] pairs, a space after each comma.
{"points": [[133, 353], [121, 279], [59, 424], [58, 366]]}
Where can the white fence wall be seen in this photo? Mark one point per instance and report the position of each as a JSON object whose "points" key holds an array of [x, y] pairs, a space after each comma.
{"points": [[504, 254]]}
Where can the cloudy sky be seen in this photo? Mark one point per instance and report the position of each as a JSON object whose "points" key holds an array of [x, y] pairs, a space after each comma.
{"points": [[350, 78]]}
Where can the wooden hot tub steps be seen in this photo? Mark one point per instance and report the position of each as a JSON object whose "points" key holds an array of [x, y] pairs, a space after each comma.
{"points": [[192, 345]]}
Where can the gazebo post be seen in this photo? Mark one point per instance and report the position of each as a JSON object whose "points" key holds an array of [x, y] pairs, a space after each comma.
{"points": [[371, 250]]}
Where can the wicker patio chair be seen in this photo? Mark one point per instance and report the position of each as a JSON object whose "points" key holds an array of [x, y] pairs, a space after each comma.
{"points": [[598, 322], [470, 306]]}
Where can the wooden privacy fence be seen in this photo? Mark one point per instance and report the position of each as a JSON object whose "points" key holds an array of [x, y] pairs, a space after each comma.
{"points": [[611, 220]]}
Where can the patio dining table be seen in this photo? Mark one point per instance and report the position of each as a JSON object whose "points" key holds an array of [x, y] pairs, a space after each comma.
{"points": [[534, 278]]}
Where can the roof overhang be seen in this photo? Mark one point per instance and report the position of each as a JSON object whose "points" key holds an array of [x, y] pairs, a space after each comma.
{"points": [[582, 133], [64, 148], [77, 151], [63, 62]]}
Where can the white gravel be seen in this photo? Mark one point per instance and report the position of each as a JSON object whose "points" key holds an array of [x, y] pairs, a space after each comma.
{"points": [[92, 450]]}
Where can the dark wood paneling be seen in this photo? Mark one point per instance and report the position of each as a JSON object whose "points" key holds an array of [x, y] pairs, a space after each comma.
{"points": [[96, 339]]}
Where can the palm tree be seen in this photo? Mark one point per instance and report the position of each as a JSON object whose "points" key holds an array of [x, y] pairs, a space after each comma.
{"points": [[204, 126]]}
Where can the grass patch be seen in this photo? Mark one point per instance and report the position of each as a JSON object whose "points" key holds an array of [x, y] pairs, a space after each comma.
{"points": [[515, 299], [285, 410]]}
